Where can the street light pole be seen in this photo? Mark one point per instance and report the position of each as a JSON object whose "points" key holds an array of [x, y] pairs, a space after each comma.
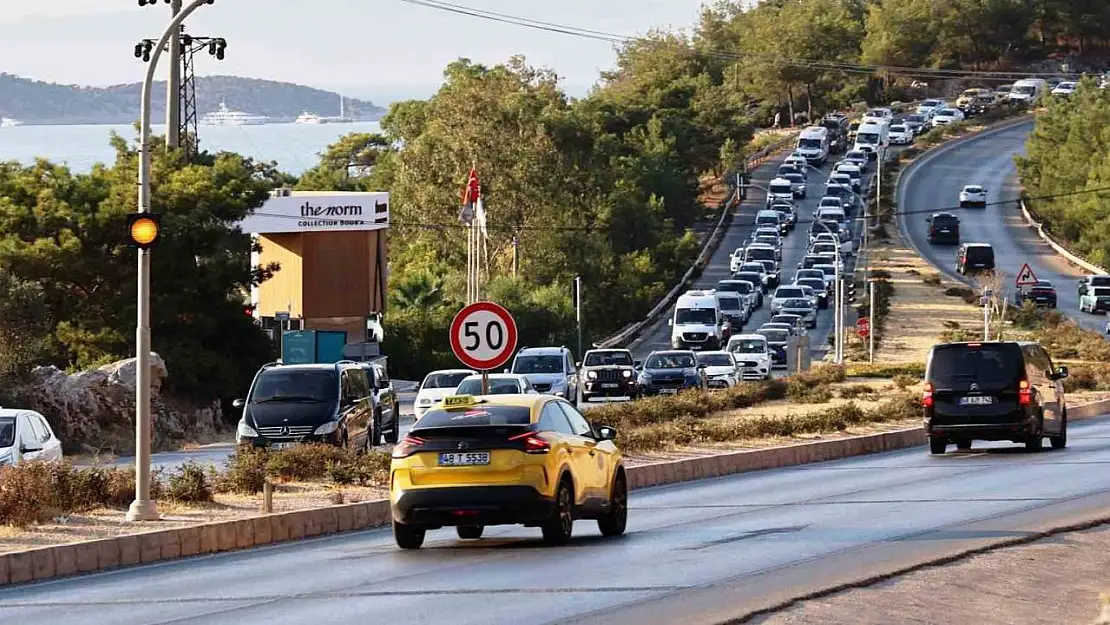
{"points": [[144, 508]]}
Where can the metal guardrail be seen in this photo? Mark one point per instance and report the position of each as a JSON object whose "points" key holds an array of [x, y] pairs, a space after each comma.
{"points": [[711, 243], [1060, 249]]}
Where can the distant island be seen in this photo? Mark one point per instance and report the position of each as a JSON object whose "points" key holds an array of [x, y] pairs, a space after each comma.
{"points": [[36, 102]]}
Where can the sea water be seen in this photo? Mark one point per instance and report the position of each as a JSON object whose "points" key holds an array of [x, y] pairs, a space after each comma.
{"points": [[295, 147]]}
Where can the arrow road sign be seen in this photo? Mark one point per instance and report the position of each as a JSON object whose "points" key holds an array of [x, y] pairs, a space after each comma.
{"points": [[1026, 277], [483, 336]]}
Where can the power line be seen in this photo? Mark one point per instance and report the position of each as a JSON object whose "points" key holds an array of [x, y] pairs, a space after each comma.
{"points": [[856, 68]]}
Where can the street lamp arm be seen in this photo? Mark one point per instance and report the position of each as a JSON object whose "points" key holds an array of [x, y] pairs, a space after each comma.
{"points": [[144, 106]]}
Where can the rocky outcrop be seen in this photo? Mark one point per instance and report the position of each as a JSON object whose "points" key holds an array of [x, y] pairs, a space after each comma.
{"points": [[94, 410]]}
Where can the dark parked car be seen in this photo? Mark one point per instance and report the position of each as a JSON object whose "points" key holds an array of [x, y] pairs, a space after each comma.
{"points": [[608, 373], [669, 372], [944, 228], [994, 391], [1041, 294], [776, 342]]}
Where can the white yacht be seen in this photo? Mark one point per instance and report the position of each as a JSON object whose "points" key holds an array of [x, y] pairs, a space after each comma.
{"points": [[227, 117], [313, 118], [8, 122]]}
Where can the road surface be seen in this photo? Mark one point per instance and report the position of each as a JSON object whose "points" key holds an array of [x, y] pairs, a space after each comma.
{"points": [[933, 183], [658, 336], [697, 552]]}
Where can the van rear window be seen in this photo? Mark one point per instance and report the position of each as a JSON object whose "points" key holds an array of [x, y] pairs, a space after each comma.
{"points": [[946, 220], [993, 363], [980, 253]]}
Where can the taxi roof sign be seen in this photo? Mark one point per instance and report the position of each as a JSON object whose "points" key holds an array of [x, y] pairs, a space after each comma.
{"points": [[459, 401]]}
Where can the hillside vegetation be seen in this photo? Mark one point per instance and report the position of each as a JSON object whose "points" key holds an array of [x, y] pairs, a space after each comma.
{"points": [[1067, 171], [37, 102]]}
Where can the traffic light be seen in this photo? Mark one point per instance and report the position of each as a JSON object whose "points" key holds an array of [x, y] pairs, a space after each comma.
{"points": [[143, 229]]}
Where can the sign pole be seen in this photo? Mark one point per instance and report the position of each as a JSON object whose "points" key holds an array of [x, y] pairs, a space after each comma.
{"points": [[871, 315], [578, 310], [485, 381], [986, 318]]}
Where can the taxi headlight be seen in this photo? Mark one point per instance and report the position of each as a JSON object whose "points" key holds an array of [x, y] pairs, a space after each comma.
{"points": [[327, 428]]}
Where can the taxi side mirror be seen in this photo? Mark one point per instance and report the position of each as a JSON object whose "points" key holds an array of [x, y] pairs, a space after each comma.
{"points": [[606, 433]]}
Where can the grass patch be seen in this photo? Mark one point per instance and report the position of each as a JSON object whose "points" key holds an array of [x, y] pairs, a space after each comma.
{"points": [[885, 371]]}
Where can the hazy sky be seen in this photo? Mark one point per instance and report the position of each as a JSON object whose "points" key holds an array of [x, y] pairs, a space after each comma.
{"points": [[380, 49]]}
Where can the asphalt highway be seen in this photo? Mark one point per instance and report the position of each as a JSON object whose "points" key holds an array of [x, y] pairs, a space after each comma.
{"points": [[698, 552], [658, 337], [933, 183]]}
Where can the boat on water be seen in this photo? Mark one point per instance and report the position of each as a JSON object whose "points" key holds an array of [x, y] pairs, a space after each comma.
{"points": [[224, 116], [8, 122], [312, 118]]}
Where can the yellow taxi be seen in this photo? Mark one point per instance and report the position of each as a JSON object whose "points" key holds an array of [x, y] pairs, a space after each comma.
{"points": [[502, 460]]}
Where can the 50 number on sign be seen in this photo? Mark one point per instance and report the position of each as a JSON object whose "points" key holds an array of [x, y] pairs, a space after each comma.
{"points": [[493, 335], [483, 336]]}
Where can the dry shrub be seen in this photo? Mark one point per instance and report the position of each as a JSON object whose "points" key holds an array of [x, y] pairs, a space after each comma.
{"points": [[692, 403], [858, 391], [885, 371], [245, 472], [189, 484], [932, 279], [303, 462], [32, 492], [903, 381]]}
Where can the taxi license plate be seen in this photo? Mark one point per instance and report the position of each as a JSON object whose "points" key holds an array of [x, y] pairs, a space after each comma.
{"points": [[610, 385], [464, 459], [976, 401], [284, 445]]}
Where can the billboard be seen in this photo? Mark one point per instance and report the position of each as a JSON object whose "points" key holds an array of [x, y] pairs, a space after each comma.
{"points": [[319, 212]]}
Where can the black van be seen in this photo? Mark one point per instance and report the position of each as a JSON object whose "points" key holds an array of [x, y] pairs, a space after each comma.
{"points": [[292, 404], [975, 258], [993, 391], [944, 228]]}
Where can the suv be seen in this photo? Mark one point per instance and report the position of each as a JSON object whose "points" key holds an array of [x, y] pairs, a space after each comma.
{"points": [[993, 391], [287, 405], [387, 408], [668, 372], [975, 258], [550, 370], [608, 373], [944, 228], [1091, 281]]}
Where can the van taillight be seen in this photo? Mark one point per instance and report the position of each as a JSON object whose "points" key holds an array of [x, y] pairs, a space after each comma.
{"points": [[927, 396], [1025, 394], [533, 444], [407, 447]]}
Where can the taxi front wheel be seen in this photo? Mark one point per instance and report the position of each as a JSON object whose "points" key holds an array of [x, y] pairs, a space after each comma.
{"points": [[408, 536], [616, 518]]}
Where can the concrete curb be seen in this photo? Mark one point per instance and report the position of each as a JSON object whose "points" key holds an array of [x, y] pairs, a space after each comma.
{"points": [[1060, 249], [45, 563]]}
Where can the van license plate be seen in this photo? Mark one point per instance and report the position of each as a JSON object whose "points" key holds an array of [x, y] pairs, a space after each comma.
{"points": [[976, 401], [464, 459]]}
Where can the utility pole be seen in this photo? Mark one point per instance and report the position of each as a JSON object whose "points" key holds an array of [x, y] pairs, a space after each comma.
{"points": [[578, 310], [173, 86], [516, 255]]}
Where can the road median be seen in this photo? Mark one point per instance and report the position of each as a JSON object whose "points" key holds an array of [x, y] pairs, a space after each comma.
{"points": [[55, 561]]}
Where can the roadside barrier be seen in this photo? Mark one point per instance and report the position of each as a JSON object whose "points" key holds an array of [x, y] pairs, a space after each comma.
{"points": [[1058, 247]]}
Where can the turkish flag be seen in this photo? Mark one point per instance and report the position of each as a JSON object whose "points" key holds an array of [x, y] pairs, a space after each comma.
{"points": [[473, 189]]}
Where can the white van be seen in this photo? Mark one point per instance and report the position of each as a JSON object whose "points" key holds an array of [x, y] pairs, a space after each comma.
{"points": [[813, 143], [697, 322], [872, 139], [1028, 90], [780, 189]]}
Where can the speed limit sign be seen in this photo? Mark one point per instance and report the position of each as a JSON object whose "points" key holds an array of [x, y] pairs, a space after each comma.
{"points": [[483, 336]]}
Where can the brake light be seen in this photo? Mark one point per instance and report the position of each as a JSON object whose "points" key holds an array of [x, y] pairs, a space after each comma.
{"points": [[533, 444], [927, 396], [407, 447], [1025, 394]]}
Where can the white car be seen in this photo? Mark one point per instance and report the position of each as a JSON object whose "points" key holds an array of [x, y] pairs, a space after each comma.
{"points": [[436, 386], [1064, 89], [973, 195], [900, 134], [25, 435], [737, 258], [499, 384], [928, 108], [947, 116], [752, 354], [858, 158], [720, 369]]}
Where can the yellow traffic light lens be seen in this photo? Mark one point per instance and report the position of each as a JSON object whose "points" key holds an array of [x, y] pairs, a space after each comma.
{"points": [[144, 231]]}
